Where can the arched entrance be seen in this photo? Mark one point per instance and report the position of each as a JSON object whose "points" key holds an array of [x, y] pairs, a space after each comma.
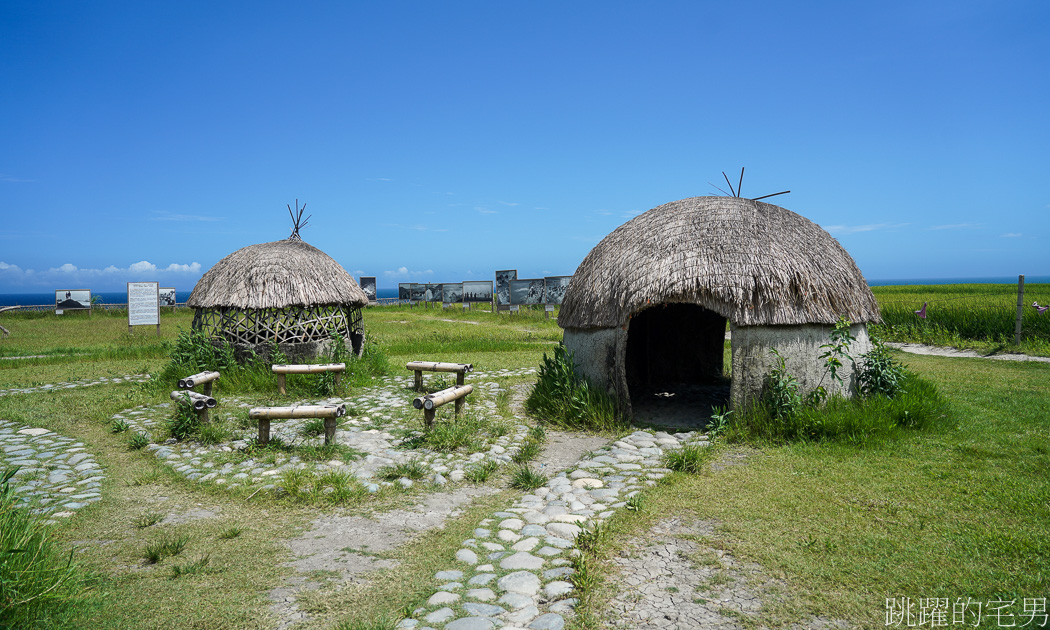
{"points": [[674, 365]]}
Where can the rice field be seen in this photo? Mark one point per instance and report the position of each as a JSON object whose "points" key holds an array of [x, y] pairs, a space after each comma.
{"points": [[978, 316]]}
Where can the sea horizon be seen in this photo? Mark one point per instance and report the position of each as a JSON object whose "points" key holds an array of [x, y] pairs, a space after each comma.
{"points": [[43, 298]]}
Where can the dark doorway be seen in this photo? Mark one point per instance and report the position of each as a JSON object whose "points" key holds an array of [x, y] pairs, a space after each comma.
{"points": [[674, 365]]}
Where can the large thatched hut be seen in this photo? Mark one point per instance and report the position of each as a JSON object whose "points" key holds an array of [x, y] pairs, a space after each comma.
{"points": [[648, 306], [288, 292]]}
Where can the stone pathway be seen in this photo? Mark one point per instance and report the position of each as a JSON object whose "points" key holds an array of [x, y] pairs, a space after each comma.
{"points": [[918, 348], [56, 475], [387, 421], [131, 378], [514, 573]]}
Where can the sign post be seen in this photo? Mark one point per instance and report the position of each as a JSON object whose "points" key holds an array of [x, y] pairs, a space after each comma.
{"points": [[144, 305]]}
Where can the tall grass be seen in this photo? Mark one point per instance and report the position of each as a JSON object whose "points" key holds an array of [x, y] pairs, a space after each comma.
{"points": [[917, 405], [965, 314], [37, 580], [564, 399]]}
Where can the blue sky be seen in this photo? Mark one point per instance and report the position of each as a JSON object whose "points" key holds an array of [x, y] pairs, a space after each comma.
{"points": [[440, 141]]}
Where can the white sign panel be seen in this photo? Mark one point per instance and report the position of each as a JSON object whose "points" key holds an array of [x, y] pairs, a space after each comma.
{"points": [[143, 304]]}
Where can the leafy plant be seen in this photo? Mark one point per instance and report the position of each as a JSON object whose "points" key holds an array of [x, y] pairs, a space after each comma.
{"points": [[184, 422], [119, 426], [879, 373], [230, 533], [719, 421], [781, 394]]}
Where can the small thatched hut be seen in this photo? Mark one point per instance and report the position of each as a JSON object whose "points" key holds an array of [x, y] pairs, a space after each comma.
{"points": [[287, 292], [649, 304]]}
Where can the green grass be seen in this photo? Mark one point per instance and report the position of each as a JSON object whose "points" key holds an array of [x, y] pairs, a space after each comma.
{"points": [[565, 400], [980, 316], [38, 578], [958, 509]]}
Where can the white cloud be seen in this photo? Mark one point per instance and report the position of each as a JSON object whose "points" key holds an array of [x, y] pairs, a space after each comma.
{"points": [[508, 203], [107, 277], [403, 272], [14, 180], [1011, 235], [484, 210], [843, 230]]}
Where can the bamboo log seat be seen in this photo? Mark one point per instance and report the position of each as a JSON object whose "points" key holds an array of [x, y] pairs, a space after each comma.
{"points": [[308, 368], [201, 403], [431, 402], [202, 378], [329, 413], [433, 366]]}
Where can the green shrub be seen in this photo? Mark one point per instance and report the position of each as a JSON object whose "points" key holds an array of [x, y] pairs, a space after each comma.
{"points": [[879, 373], [781, 394], [563, 398], [37, 580], [918, 405], [138, 441], [183, 422]]}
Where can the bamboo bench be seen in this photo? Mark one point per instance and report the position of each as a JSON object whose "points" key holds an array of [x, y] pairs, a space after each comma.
{"points": [[201, 401], [431, 366], [310, 368], [431, 402], [328, 413]]}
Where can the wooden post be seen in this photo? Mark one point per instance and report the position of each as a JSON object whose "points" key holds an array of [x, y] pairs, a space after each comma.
{"points": [[280, 384], [264, 431], [460, 376], [329, 431], [419, 380], [1020, 309], [428, 417]]}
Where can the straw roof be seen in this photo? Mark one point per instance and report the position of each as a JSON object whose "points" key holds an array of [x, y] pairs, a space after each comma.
{"points": [[276, 275], [754, 263]]}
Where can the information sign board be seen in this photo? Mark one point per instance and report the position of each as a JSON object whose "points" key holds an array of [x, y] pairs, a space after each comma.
{"points": [[144, 304]]}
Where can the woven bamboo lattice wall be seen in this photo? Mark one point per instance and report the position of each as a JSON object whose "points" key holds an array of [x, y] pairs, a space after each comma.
{"points": [[293, 324]]}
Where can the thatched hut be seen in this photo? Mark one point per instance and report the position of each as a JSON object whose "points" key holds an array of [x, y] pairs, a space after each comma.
{"points": [[649, 304], [288, 292]]}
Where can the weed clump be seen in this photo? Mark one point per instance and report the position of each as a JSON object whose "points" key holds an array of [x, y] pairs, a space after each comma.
{"points": [[564, 399]]}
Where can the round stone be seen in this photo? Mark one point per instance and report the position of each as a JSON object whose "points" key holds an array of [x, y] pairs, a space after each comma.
{"points": [[519, 582]]}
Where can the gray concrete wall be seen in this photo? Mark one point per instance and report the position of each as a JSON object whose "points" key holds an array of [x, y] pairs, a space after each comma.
{"points": [[800, 347], [599, 354]]}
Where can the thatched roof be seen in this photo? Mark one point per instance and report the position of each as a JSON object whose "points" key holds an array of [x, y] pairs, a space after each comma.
{"points": [[276, 275], [752, 262]]}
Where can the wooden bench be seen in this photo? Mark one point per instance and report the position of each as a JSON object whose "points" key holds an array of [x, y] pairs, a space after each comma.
{"points": [[202, 378], [431, 402], [431, 366], [310, 368], [328, 413], [201, 401]]}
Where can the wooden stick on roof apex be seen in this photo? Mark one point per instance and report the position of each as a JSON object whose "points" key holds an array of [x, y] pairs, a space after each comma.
{"points": [[298, 222]]}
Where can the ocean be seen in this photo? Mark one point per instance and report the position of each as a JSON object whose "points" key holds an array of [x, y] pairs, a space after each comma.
{"points": [[121, 297]]}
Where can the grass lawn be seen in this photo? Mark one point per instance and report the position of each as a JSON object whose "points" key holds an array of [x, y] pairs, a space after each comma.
{"points": [[959, 512]]}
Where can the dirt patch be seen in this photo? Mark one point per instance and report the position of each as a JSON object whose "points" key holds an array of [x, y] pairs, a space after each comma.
{"points": [[671, 578], [351, 546], [177, 518], [564, 449]]}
